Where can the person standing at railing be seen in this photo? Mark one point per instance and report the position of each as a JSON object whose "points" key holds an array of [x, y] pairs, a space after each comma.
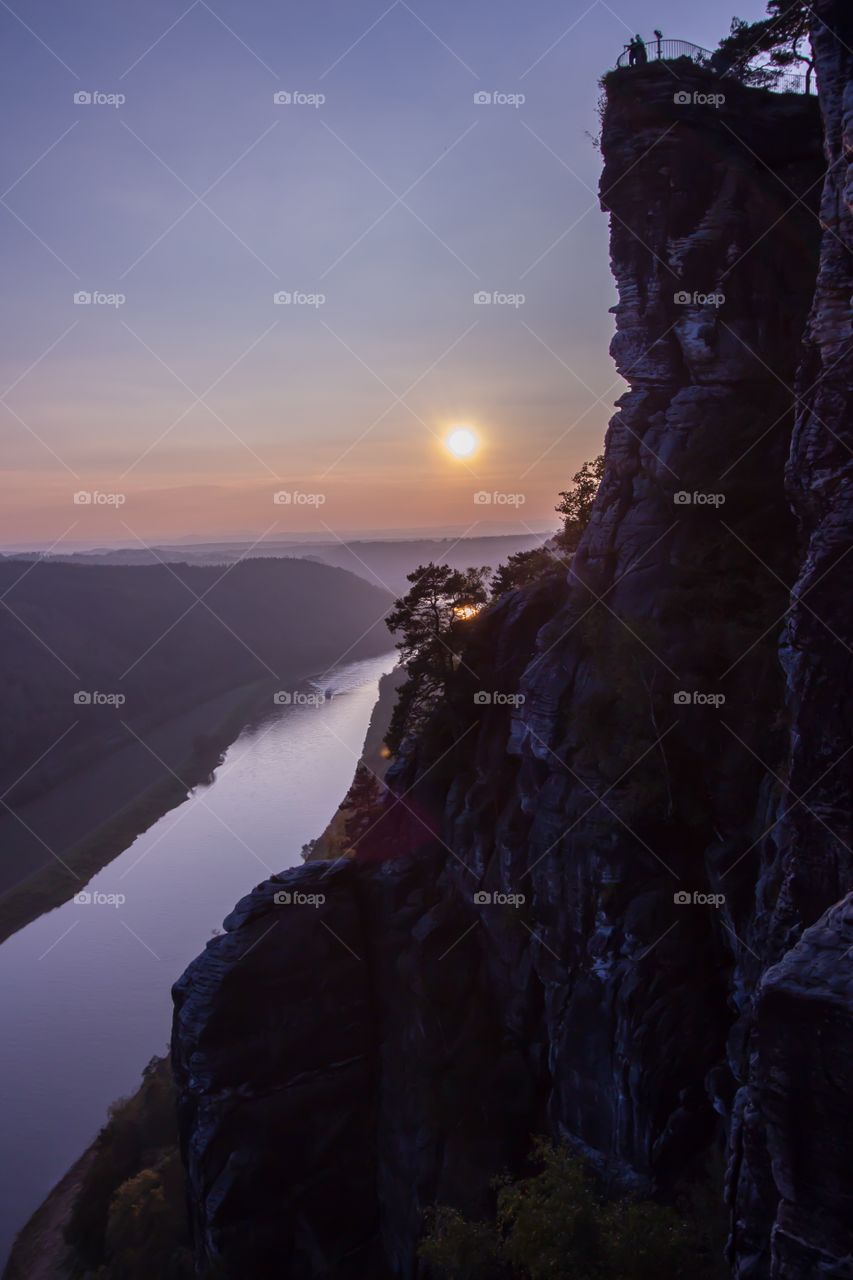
{"points": [[636, 51]]}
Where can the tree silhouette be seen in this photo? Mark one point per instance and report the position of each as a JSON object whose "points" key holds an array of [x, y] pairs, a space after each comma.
{"points": [[430, 620], [575, 505], [782, 38]]}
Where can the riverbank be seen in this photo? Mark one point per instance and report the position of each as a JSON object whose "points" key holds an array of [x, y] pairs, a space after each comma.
{"points": [[334, 842], [39, 1248], [187, 749], [85, 989], [132, 1169], [40, 1251]]}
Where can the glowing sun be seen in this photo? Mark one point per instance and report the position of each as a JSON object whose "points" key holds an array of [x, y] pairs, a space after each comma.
{"points": [[461, 442]]}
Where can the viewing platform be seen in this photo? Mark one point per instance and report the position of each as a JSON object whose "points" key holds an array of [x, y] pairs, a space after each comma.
{"points": [[765, 77]]}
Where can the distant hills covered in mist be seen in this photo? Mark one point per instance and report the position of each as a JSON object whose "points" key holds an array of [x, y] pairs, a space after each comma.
{"points": [[381, 561], [162, 638]]}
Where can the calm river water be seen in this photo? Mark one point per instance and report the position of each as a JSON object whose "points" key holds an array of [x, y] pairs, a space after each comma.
{"points": [[84, 990]]}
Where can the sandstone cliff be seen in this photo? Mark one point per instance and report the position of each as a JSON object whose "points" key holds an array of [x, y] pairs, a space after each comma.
{"points": [[656, 830]]}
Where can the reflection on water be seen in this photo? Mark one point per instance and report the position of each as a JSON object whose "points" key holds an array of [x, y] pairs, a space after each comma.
{"points": [[84, 990]]}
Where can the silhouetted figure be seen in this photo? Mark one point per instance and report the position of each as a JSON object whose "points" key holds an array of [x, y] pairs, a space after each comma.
{"points": [[641, 57], [631, 48]]}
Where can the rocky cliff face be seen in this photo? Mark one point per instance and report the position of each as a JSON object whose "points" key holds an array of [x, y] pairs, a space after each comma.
{"points": [[594, 913], [793, 1116]]}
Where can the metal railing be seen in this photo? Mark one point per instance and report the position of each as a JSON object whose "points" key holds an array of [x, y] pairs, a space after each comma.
{"points": [[766, 77], [668, 51]]}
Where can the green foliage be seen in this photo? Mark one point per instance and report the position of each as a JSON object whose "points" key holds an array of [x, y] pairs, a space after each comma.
{"points": [[523, 568], [408, 714], [361, 804], [554, 1225], [548, 1224], [146, 1231], [430, 621], [575, 505], [462, 1250], [128, 1219]]}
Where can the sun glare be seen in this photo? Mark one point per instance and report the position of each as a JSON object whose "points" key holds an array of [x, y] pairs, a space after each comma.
{"points": [[465, 612], [461, 442]]}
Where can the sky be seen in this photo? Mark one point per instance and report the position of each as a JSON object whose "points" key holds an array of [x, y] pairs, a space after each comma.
{"points": [[150, 168]]}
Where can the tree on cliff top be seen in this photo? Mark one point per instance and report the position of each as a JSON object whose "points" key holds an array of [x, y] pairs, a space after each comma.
{"points": [[758, 52]]}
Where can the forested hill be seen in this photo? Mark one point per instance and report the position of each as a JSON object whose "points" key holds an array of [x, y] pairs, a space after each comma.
{"points": [[384, 562], [164, 638]]}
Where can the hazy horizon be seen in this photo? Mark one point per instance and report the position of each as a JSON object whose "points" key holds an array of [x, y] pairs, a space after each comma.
{"points": [[240, 537]]}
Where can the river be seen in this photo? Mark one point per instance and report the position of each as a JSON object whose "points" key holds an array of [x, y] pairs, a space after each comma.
{"points": [[84, 989]]}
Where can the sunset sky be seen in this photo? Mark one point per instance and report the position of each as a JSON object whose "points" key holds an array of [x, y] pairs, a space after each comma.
{"points": [[396, 199]]}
